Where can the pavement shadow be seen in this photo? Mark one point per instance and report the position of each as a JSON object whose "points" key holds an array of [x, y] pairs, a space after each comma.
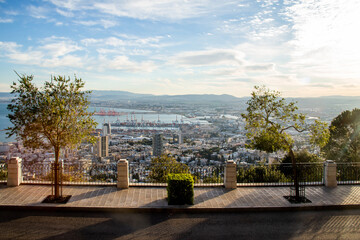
{"points": [[210, 193], [91, 194], [112, 225]]}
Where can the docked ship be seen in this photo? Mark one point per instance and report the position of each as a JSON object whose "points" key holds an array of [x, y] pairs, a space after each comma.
{"points": [[134, 123], [102, 112]]}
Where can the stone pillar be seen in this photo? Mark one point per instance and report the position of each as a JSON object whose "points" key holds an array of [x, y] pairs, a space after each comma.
{"points": [[230, 175], [14, 172], [330, 173], [123, 174]]}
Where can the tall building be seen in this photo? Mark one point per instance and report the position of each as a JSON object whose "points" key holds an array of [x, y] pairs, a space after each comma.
{"points": [[180, 138], [157, 144], [106, 129], [101, 148]]}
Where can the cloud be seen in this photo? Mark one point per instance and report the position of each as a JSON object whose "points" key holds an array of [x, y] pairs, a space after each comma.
{"points": [[223, 71], [209, 57], [37, 12], [116, 42], [64, 13], [323, 85], [53, 52], [260, 67], [144, 9], [326, 40], [102, 22], [11, 12], [56, 47], [6, 20], [8, 46], [62, 52], [124, 63]]}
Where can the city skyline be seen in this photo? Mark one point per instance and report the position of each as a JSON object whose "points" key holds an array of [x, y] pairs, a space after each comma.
{"points": [[301, 48]]}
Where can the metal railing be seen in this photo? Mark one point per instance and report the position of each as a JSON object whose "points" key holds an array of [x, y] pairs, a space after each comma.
{"points": [[36, 173], [3, 172], [73, 174], [156, 174], [280, 174], [348, 173]]}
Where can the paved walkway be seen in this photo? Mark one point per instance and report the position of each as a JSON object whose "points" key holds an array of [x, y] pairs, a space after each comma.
{"points": [[206, 198]]}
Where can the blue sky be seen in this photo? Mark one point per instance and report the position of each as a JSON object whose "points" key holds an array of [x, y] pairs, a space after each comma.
{"points": [[301, 48]]}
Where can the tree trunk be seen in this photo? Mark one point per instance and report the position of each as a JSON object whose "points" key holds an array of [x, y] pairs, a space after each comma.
{"points": [[57, 174], [295, 173]]}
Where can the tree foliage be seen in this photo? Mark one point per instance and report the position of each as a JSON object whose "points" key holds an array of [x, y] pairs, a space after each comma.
{"points": [[3, 173], [309, 168], [344, 142], [161, 166], [260, 174], [269, 119], [54, 116], [303, 156]]}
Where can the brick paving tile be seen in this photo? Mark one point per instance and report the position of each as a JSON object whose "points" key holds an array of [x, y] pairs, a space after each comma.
{"points": [[145, 197]]}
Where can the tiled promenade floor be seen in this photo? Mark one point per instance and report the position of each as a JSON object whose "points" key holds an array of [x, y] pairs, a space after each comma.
{"points": [[205, 198]]}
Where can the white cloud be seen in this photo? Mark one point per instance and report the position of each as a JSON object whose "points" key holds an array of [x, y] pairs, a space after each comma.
{"points": [[131, 45], [209, 57], [11, 13], [124, 63], [64, 13], [6, 20], [54, 52], [102, 22], [56, 47], [260, 67], [326, 38], [37, 12], [61, 52], [144, 9], [65, 61], [223, 72]]}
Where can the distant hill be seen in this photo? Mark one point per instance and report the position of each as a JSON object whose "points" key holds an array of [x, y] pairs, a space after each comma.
{"points": [[149, 98], [116, 95], [5, 97], [331, 103]]}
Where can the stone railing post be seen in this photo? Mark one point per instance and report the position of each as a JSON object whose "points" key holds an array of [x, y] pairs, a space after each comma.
{"points": [[230, 175], [330, 173], [123, 174], [14, 172]]}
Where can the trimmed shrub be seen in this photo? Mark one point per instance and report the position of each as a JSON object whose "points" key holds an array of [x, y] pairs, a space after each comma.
{"points": [[180, 189]]}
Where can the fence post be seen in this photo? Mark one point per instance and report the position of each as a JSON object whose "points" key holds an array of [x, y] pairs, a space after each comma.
{"points": [[330, 173], [123, 174], [230, 174], [14, 172]]}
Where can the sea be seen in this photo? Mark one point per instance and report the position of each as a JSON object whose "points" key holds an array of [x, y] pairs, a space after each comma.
{"points": [[128, 114]]}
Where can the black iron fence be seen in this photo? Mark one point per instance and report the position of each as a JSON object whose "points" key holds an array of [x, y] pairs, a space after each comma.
{"points": [[3, 172], [348, 173], [156, 174], [280, 174], [95, 173]]}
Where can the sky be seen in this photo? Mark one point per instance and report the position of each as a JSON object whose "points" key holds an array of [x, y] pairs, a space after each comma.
{"points": [[303, 48]]}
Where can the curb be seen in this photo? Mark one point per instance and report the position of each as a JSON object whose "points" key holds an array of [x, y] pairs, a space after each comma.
{"points": [[179, 209]]}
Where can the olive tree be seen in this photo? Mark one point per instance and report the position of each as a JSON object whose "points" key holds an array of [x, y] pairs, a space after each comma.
{"points": [[269, 119], [54, 116]]}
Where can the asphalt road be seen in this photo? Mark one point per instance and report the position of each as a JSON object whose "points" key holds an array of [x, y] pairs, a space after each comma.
{"points": [[17, 224]]}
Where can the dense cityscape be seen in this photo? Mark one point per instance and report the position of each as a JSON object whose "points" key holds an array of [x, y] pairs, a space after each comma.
{"points": [[200, 135]]}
